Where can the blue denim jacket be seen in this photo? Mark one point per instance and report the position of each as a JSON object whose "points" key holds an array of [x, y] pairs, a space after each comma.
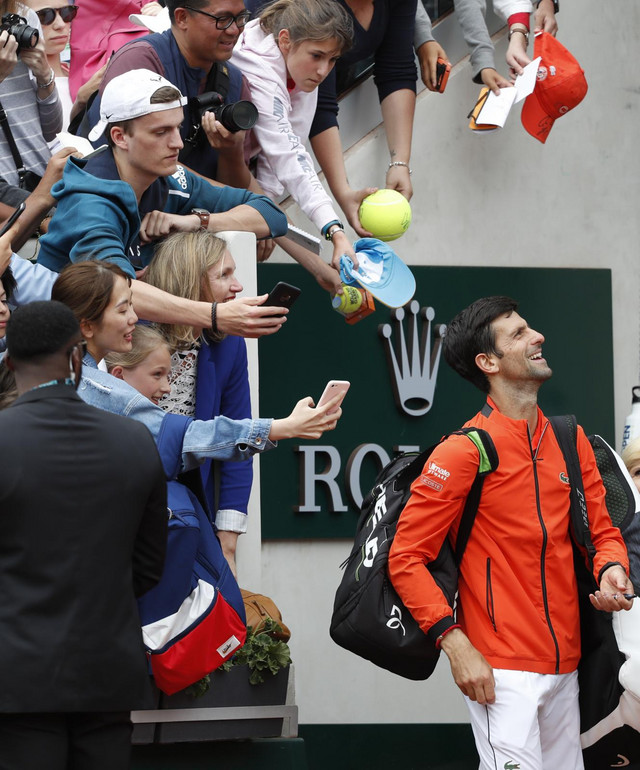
{"points": [[220, 438]]}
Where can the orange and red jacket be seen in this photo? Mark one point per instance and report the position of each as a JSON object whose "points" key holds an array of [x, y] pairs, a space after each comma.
{"points": [[518, 600]]}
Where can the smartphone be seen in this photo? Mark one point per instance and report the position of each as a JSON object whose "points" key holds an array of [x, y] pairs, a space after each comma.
{"points": [[443, 68], [11, 221], [334, 388], [282, 295], [97, 151]]}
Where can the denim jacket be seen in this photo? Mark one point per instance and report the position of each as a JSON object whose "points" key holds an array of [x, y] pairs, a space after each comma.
{"points": [[220, 438]]}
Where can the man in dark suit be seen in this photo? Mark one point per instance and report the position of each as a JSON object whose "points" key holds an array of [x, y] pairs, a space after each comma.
{"points": [[84, 525]]}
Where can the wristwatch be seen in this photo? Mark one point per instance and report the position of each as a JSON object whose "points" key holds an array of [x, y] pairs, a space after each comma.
{"points": [[556, 5], [331, 228], [203, 215]]}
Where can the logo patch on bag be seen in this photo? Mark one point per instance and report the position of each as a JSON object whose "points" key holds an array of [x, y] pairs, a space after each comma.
{"points": [[229, 646]]}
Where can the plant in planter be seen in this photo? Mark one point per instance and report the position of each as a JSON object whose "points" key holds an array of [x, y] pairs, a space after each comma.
{"points": [[262, 652]]}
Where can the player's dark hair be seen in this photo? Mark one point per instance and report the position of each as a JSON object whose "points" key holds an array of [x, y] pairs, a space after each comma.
{"points": [[471, 333]]}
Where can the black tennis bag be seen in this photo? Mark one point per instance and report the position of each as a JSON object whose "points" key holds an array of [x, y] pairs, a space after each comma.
{"points": [[369, 617], [608, 740]]}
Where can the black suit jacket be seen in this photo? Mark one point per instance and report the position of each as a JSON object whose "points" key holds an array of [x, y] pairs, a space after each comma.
{"points": [[83, 526]]}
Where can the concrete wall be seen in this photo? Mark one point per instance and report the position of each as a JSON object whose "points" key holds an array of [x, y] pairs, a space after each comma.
{"points": [[501, 199]]}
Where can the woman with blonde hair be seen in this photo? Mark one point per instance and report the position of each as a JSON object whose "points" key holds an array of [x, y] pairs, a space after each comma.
{"points": [[209, 374]]}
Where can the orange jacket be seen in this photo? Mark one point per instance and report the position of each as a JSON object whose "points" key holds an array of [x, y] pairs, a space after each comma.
{"points": [[517, 598]]}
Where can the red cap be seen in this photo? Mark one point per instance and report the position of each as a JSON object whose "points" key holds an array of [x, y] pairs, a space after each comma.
{"points": [[560, 86]]}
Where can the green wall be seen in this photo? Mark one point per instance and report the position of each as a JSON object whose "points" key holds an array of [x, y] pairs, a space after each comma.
{"points": [[571, 307]]}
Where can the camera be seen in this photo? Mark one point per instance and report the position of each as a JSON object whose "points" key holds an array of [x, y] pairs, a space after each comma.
{"points": [[26, 36], [237, 116]]}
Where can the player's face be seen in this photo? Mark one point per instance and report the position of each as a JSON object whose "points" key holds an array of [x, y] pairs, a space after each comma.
{"points": [[521, 349], [154, 142], [310, 61]]}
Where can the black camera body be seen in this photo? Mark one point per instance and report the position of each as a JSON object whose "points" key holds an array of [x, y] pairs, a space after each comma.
{"points": [[237, 116], [26, 36]]}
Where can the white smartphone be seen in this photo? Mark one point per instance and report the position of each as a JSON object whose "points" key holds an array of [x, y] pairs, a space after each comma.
{"points": [[333, 388]]}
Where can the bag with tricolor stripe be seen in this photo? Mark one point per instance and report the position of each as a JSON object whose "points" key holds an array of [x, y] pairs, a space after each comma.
{"points": [[193, 620]]}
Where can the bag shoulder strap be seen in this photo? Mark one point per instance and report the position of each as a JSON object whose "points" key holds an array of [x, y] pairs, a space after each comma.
{"points": [[488, 463], [565, 428], [17, 158]]}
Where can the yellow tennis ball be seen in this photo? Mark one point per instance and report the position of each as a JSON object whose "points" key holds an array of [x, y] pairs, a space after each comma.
{"points": [[386, 214]]}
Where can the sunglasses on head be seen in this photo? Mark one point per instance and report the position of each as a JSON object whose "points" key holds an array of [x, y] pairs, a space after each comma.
{"points": [[47, 15]]}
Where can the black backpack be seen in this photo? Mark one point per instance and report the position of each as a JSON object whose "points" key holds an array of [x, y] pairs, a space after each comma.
{"points": [[369, 617]]}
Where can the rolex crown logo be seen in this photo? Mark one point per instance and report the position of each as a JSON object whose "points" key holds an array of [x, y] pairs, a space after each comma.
{"points": [[413, 362]]}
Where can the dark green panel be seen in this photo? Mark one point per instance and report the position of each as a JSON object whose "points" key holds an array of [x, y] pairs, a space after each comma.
{"points": [[277, 753], [571, 307], [390, 747]]}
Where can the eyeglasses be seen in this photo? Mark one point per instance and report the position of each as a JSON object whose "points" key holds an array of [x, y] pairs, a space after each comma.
{"points": [[224, 22], [48, 15]]}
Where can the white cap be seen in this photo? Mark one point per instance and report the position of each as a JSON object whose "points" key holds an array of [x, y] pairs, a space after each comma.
{"points": [[128, 96]]}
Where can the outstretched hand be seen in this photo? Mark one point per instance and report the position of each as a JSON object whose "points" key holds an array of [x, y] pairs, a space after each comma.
{"points": [[350, 203], [5, 245], [428, 55], [248, 317], [545, 17], [493, 80], [307, 421], [399, 178], [517, 57]]}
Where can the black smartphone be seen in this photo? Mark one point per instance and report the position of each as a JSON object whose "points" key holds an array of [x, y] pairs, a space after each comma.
{"points": [[10, 222], [282, 295], [97, 151]]}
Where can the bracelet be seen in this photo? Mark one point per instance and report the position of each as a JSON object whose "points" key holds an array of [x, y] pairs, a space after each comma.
{"points": [[399, 163], [49, 82], [329, 225], [444, 633], [522, 32], [330, 228], [214, 320], [332, 231]]}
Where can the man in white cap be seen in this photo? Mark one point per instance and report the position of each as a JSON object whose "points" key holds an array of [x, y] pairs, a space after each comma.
{"points": [[194, 55], [114, 205]]}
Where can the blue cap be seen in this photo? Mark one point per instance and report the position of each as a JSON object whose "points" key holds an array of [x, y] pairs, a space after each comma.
{"points": [[381, 272]]}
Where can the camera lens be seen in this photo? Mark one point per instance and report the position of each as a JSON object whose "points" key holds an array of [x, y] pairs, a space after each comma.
{"points": [[238, 116], [26, 37]]}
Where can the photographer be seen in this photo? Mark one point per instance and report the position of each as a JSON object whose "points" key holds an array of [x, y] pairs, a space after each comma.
{"points": [[193, 55], [28, 97]]}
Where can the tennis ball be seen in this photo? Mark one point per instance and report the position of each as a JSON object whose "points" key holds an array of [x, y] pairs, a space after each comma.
{"points": [[386, 214]]}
